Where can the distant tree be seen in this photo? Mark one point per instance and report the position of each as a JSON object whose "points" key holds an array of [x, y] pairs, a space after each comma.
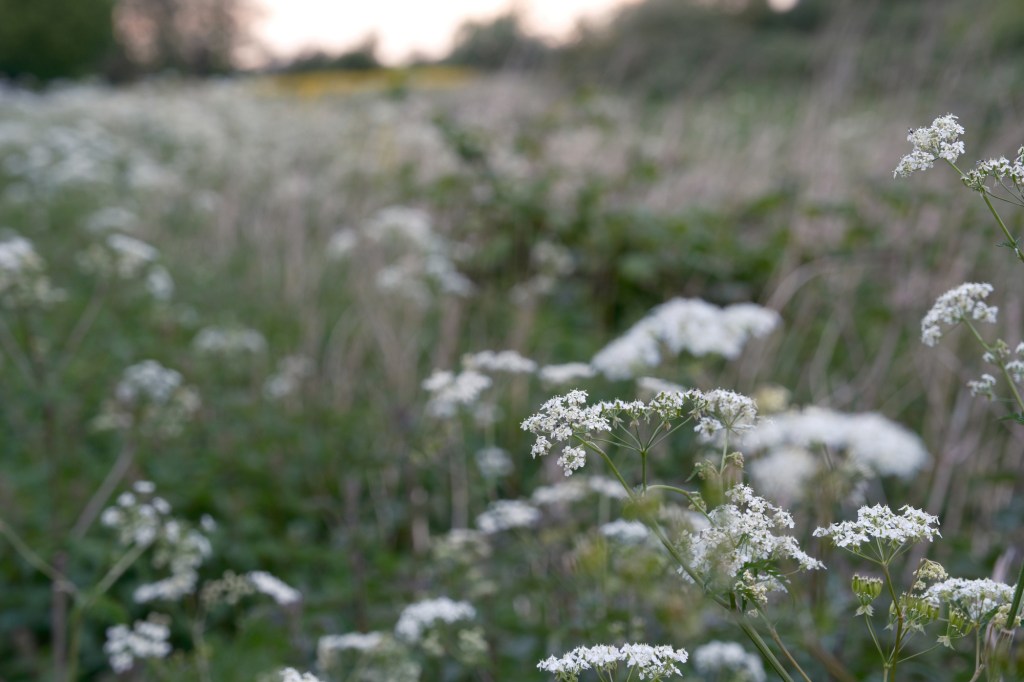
{"points": [[500, 43], [363, 57], [200, 37], [47, 39]]}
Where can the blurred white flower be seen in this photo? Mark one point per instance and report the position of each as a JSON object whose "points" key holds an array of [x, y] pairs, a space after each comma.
{"points": [[417, 618], [145, 639]]}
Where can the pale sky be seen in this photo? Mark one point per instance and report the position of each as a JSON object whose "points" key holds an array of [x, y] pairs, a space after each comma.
{"points": [[404, 27]]}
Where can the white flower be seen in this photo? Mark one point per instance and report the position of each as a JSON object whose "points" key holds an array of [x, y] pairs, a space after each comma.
{"points": [[504, 515], [965, 302], [152, 397], [450, 391], [328, 645], [626, 532], [131, 255], [940, 140], [342, 243], [869, 439], [291, 371], [273, 587], [229, 341], [783, 473], [172, 588], [566, 492], [561, 418], [983, 386], [293, 675], [978, 599], [691, 325], [740, 543], [880, 528], [159, 283], [23, 280], [560, 375], [654, 386], [146, 639], [717, 657], [417, 618], [645, 661], [499, 361]]}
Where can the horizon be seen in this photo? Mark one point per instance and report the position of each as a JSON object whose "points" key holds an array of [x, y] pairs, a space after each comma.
{"points": [[289, 28]]}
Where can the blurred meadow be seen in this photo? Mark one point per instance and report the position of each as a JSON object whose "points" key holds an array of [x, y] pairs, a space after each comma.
{"points": [[268, 336]]}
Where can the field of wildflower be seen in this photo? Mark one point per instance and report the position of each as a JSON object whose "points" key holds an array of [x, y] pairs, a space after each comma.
{"points": [[499, 381]]}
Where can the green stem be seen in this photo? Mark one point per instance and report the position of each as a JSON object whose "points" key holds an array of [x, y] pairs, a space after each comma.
{"points": [[894, 659], [1009, 239], [75, 627], [643, 468], [117, 570], [792, 661], [1015, 604], [995, 214], [35, 560]]}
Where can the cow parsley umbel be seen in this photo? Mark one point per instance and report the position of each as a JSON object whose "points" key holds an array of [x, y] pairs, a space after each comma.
{"points": [[965, 303], [641, 660]]}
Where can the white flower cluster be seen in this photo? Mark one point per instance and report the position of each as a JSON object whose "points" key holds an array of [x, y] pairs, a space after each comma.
{"points": [[416, 256], [146, 639], [965, 302], [273, 587], [141, 518], [578, 488], [329, 646], [504, 515], [645, 661], [940, 140], [740, 546], [293, 675], [626, 532], [287, 380], [229, 342], [151, 397], [564, 417], [111, 219], [977, 599], [138, 517], [561, 375], [714, 658], [561, 418], [122, 257], [783, 473], [230, 588], [23, 280], [1000, 169], [499, 361], [870, 441], [985, 385], [880, 527], [718, 410], [417, 618], [450, 391], [684, 324]]}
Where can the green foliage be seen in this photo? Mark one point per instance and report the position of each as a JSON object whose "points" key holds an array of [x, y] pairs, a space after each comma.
{"points": [[499, 44], [48, 39]]}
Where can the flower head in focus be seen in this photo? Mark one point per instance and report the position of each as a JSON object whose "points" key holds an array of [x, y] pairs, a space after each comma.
{"points": [[940, 140], [964, 303]]}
